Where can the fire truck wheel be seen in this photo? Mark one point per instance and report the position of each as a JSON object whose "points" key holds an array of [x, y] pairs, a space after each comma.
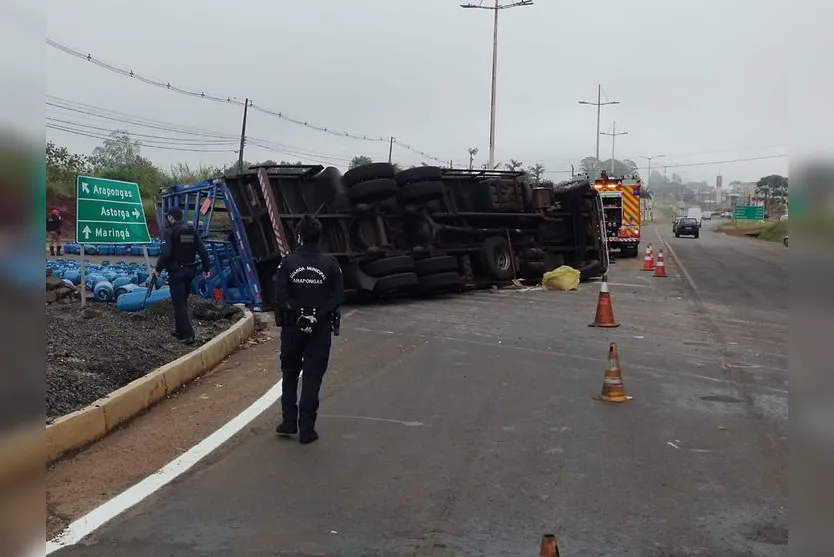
{"points": [[440, 281], [421, 192], [394, 284], [389, 266], [373, 190], [436, 265], [418, 174], [497, 258], [373, 171]]}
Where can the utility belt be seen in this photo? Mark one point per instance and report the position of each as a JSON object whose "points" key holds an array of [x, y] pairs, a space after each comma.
{"points": [[286, 317], [176, 266]]}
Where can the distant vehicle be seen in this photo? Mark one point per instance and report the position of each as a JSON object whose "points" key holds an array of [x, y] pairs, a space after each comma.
{"points": [[707, 216], [726, 215], [687, 226], [695, 213]]}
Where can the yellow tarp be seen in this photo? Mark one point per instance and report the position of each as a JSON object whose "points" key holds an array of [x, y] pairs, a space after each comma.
{"points": [[563, 278]]}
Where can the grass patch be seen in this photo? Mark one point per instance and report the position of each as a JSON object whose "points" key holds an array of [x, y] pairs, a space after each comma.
{"points": [[775, 232]]}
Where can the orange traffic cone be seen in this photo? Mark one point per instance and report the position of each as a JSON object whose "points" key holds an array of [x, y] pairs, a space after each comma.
{"points": [[612, 385], [605, 313], [660, 266], [648, 261], [549, 546]]}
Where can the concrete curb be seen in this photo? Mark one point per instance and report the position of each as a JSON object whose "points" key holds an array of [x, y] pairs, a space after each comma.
{"points": [[90, 424]]}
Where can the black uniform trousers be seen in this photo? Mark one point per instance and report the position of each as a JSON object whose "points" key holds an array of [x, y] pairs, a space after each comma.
{"points": [[179, 282], [310, 352]]}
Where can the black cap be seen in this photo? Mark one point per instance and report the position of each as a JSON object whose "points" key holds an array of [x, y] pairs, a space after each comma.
{"points": [[175, 213]]}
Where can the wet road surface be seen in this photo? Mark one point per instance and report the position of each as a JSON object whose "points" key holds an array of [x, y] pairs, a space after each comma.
{"points": [[480, 432]]}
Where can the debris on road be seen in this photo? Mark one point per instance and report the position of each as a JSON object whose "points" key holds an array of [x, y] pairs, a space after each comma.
{"points": [[93, 352], [562, 278]]}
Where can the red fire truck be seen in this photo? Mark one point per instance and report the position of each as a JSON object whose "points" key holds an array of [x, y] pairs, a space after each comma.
{"points": [[621, 204]]}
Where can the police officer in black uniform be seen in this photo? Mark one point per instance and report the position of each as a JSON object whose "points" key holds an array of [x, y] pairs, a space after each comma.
{"points": [[182, 245], [308, 293]]}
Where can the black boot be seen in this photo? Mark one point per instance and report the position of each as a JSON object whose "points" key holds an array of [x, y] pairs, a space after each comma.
{"points": [[52, 250], [59, 251], [285, 428], [308, 436]]}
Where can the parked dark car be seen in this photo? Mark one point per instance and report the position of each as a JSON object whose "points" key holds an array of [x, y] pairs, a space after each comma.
{"points": [[687, 227]]}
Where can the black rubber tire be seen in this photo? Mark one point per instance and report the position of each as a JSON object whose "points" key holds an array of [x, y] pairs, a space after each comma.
{"points": [[421, 192], [532, 269], [373, 171], [496, 257], [389, 266], [697, 236], [396, 283], [440, 281], [418, 174], [677, 235], [437, 265], [589, 271], [373, 190], [534, 254]]}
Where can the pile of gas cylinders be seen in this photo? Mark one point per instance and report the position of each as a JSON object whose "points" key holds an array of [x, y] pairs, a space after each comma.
{"points": [[73, 248], [124, 283]]}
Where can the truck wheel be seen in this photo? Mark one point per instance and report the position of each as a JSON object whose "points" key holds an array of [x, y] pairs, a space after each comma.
{"points": [[497, 257], [373, 190], [421, 192], [533, 254], [373, 171], [395, 284], [436, 265], [390, 266], [532, 269], [418, 174], [440, 281]]}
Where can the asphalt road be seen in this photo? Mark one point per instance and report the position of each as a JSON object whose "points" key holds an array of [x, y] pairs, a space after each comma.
{"points": [[483, 433]]}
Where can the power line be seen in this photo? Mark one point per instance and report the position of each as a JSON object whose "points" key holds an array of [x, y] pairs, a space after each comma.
{"points": [[162, 147], [231, 100], [123, 117], [686, 165]]}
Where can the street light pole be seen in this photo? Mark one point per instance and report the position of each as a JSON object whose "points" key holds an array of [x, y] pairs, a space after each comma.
{"points": [[649, 179], [613, 135], [495, 9], [599, 104]]}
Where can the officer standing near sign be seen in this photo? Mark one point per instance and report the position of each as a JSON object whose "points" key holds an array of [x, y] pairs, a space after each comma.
{"points": [[308, 293], [181, 245]]}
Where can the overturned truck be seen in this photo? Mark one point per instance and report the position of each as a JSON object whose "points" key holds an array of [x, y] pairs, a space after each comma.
{"points": [[425, 229]]}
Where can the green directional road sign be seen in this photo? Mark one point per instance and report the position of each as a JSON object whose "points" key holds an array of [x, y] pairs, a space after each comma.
{"points": [[748, 212], [109, 212]]}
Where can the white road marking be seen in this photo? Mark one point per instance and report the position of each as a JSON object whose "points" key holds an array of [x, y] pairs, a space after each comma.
{"points": [[369, 418], [629, 285], [678, 262], [107, 511]]}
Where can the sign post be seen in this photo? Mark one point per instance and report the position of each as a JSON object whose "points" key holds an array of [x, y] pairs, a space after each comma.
{"points": [[748, 212], [108, 212]]}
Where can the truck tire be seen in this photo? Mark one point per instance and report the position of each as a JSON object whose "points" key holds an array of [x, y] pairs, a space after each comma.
{"points": [[366, 172], [534, 254], [437, 265], [372, 190], [532, 269], [390, 266], [421, 192], [418, 174], [497, 258], [394, 284], [440, 281]]}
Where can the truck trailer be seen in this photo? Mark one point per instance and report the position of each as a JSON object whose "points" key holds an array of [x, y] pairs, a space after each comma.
{"points": [[422, 230]]}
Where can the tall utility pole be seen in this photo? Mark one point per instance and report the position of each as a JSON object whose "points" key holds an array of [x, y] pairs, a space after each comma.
{"points": [[472, 152], [496, 8], [599, 104], [390, 149], [242, 138], [613, 135], [649, 179]]}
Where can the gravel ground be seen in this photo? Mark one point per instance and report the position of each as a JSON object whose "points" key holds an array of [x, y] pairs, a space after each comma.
{"points": [[90, 357]]}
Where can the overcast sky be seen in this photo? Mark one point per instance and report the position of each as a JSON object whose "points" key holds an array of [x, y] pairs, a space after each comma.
{"points": [[697, 81]]}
